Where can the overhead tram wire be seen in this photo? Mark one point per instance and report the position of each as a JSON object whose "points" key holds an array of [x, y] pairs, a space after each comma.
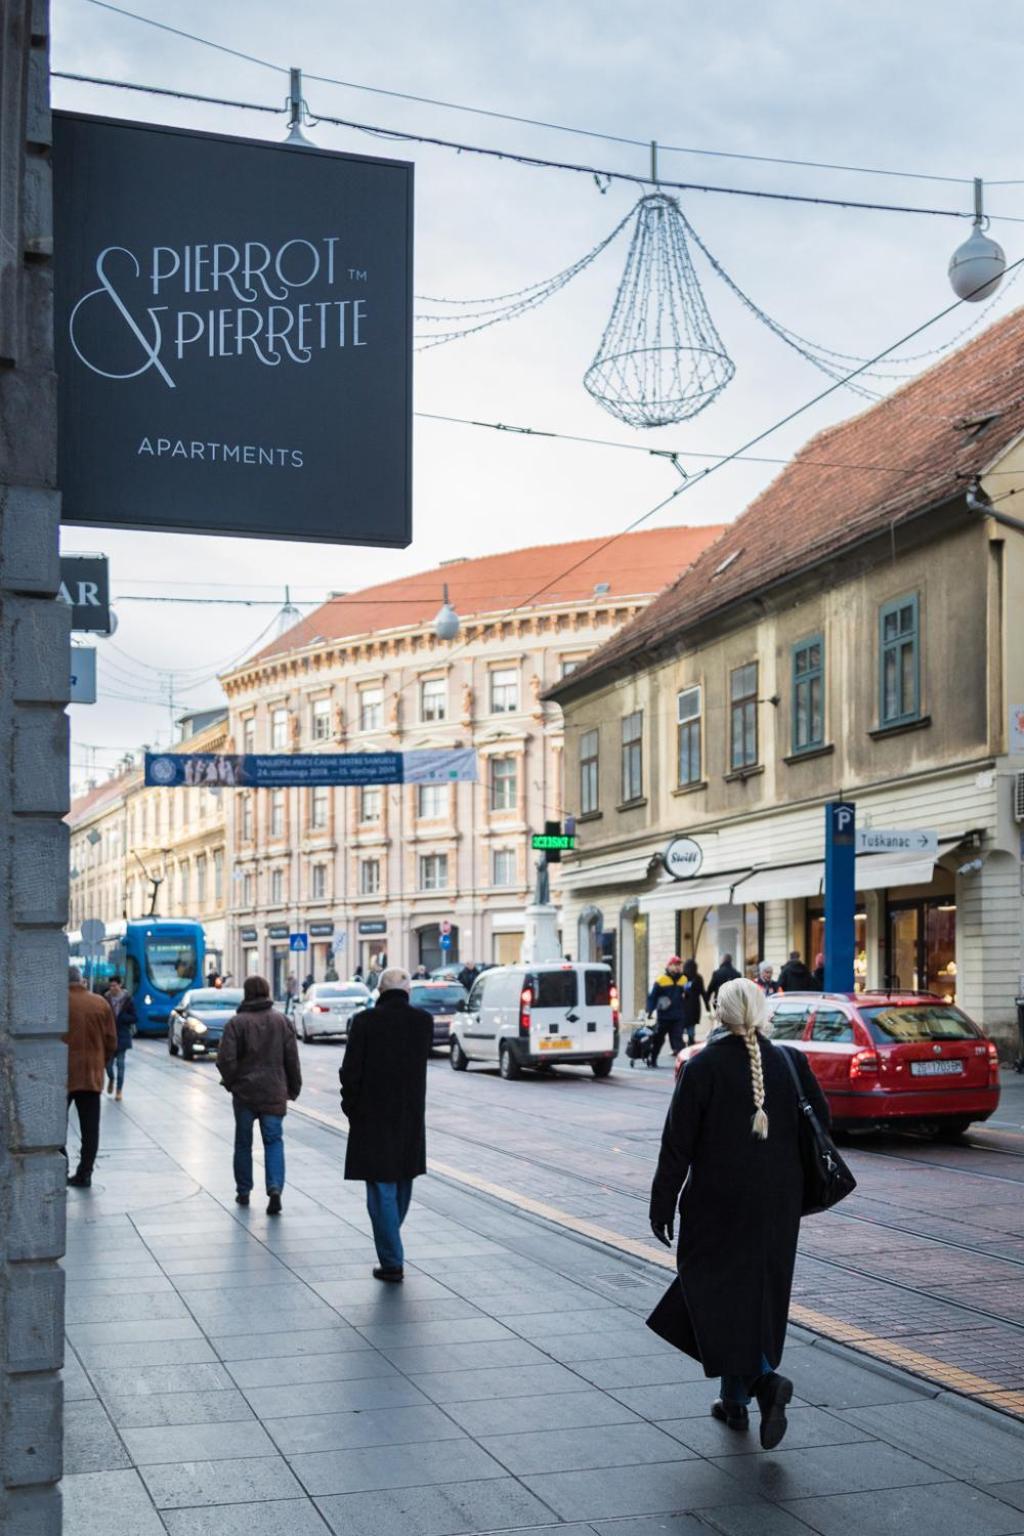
{"points": [[536, 162], [550, 127]]}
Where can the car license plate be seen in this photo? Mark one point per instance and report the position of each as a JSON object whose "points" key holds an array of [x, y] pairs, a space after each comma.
{"points": [[555, 1045], [936, 1068]]}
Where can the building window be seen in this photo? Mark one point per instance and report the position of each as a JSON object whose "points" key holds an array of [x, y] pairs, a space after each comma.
{"points": [[688, 718], [901, 666], [504, 783], [277, 813], [279, 730], [247, 819], [430, 801], [218, 875], [633, 756], [589, 790], [369, 803], [318, 803], [276, 887], [433, 698], [201, 880], [568, 665], [743, 717], [249, 734], [369, 877], [809, 694], [318, 882], [371, 709], [183, 885], [503, 866], [433, 871], [504, 690], [320, 720], [249, 891]]}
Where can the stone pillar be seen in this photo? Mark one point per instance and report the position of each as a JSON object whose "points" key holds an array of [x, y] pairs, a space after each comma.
{"points": [[34, 678]]}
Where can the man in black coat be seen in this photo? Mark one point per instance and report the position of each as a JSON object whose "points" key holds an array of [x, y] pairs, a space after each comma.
{"points": [[384, 1096], [795, 977], [725, 972]]}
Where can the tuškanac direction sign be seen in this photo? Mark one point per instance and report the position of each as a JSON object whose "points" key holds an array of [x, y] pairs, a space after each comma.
{"points": [[233, 329], [893, 840]]}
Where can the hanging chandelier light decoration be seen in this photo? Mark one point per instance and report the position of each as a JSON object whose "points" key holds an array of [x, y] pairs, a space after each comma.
{"points": [[660, 360]]}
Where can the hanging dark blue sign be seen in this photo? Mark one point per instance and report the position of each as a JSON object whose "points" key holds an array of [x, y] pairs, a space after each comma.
{"points": [[233, 328], [275, 770]]}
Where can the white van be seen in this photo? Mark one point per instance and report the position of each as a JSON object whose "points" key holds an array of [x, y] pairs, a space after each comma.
{"points": [[539, 1016]]}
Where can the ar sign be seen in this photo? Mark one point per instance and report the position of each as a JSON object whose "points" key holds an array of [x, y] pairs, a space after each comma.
{"points": [[85, 587]]}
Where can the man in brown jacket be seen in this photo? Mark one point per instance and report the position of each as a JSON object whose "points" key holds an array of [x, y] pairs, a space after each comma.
{"points": [[258, 1060], [92, 1042]]}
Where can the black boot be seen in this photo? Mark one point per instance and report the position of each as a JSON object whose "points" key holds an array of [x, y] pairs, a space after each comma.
{"points": [[773, 1393], [733, 1414], [80, 1180]]}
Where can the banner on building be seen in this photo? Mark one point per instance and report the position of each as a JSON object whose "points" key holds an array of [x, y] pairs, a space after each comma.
{"points": [[277, 770], [233, 330]]}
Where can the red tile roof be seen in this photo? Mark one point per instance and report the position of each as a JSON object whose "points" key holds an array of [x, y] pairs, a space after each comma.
{"points": [[635, 565], [94, 799], [913, 450]]}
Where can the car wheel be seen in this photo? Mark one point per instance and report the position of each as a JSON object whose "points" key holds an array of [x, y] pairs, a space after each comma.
{"points": [[459, 1059], [601, 1068], [305, 1033], [953, 1128], [507, 1064], [172, 1048]]}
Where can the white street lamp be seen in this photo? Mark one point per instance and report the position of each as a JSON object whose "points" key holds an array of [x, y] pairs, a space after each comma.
{"points": [[447, 624], [976, 268]]}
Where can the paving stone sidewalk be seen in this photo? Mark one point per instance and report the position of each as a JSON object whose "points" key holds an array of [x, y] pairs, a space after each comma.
{"points": [[228, 1372]]}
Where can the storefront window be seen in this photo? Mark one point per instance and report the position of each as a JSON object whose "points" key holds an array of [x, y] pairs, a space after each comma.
{"points": [[921, 950], [816, 943]]}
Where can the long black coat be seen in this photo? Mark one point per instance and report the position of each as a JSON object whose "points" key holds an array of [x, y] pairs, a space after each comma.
{"points": [[739, 1215], [384, 1090]]}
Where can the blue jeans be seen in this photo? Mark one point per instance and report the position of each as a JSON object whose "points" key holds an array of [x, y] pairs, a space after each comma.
{"points": [[272, 1131], [738, 1389], [387, 1205], [118, 1062]]}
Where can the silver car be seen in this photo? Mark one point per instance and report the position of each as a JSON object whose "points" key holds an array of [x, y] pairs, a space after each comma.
{"points": [[327, 1008]]}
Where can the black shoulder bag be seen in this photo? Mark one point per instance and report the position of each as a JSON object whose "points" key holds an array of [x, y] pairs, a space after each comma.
{"points": [[827, 1179]]}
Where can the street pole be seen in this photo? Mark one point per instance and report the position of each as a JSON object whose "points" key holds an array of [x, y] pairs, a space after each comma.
{"points": [[34, 795], [840, 894]]}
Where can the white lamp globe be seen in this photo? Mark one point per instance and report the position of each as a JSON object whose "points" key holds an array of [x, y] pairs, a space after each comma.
{"points": [[447, 623], [976, 268]]}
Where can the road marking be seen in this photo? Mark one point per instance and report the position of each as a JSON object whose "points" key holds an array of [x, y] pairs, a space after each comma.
{"points": [[893, 1353]]}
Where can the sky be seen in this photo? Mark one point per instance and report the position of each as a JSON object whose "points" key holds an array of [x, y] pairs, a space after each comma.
{"points": [[919, 87]]}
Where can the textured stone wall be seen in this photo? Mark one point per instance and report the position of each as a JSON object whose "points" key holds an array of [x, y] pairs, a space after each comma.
{"points": [[34, 671]]}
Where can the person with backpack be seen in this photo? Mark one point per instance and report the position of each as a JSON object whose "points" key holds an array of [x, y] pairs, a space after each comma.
{"points": [[731, 1167], [258, 1061]]}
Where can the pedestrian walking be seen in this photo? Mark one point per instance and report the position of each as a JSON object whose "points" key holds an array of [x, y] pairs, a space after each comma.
{"points": [[307, 982], [467, 976], [125, 1018], [421, 973], [665, 1002], [766, 978], [330, 974], [258, 1061], [819, 973], [291, 995], [384, 1095], [726, 971], [693, 996], [92, 1041], [794, 976], [731, 1146]]}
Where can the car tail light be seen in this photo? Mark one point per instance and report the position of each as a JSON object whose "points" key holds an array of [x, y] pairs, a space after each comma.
{"points": [[993, 1064], [525, 1004], [613, 998], [320, 1008], [863, 1064]]}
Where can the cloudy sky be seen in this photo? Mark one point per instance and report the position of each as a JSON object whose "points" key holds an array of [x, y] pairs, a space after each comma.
{"points": [[919, 87]]}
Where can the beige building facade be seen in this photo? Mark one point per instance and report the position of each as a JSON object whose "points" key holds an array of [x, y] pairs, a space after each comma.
{"points": [[380, 871], [860, 646]]}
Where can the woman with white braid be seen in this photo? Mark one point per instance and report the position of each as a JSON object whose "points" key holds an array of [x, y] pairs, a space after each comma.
{"points": [[730, 1162]]}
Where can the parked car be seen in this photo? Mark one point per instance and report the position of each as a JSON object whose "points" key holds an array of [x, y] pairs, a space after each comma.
{"points": [[890, 1059], [444, 1000], [327, 1008], [197, 1022], [539, 1016]]}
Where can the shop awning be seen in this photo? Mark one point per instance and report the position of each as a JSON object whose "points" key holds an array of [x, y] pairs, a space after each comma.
{"points": [[781, 883], [703, 891], [875, 871]]}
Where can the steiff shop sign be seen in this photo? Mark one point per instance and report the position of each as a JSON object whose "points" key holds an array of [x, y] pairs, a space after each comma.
{"points": [[233, 325], [683, 858]]}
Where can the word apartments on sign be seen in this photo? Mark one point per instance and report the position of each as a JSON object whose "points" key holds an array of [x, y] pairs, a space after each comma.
{"points": [[286, 306]]}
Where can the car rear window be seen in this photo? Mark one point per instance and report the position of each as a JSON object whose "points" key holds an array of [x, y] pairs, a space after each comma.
{"points": [[554, 989], [901, 1023], [789, 1022], [342, 992], [438, 999], [832, 1027], [597, 988]]}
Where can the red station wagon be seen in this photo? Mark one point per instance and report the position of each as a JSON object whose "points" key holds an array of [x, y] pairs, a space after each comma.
{"points": [[891, 1059]]}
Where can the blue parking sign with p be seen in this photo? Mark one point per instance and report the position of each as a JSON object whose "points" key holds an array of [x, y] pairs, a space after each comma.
{"points": [[298, 941], [445, 941]]}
